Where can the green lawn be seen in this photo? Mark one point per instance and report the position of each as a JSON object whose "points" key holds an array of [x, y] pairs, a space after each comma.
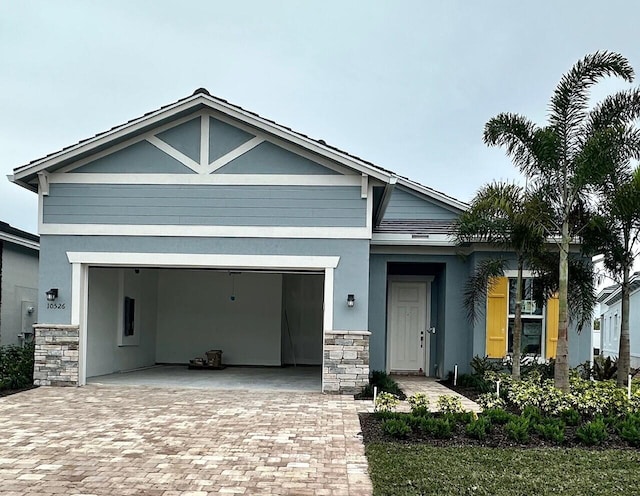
{"points": [[421, 469]]}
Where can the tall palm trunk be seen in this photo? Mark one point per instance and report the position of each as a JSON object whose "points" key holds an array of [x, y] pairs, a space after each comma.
{"points": [[517, 325], [624, 352], [561, 375]]}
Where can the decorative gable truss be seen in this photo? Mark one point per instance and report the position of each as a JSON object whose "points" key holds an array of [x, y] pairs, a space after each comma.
{"points": [[204, 165]]}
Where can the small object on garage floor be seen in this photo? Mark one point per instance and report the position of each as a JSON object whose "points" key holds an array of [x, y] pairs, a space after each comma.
{"points": [[213, 361], [214, 358]]}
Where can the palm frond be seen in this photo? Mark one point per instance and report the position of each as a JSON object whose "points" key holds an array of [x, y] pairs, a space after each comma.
{"points": [[516, 134], [618, 109], [479, 283], [569, 103]]}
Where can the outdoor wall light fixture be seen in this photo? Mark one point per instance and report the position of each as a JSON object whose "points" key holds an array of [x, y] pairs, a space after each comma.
{"points": [[351, 300], [52, 294]]}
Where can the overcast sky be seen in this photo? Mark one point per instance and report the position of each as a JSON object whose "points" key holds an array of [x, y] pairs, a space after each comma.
{"points": [[407, 85]]}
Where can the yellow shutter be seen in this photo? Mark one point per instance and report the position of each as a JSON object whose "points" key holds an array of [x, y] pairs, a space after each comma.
{"points": [[553, 317], [497, 308]]}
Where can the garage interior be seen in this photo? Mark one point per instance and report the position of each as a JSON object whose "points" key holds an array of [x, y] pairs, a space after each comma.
{"points": [[144, 325]]}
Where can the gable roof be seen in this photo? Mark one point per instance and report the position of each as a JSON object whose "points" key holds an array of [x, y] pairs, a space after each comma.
{"points": [[612, 294], [17, 236], [26, 175]]}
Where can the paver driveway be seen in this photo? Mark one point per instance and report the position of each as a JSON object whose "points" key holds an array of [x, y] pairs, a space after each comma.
{"points": [[121, 440]]}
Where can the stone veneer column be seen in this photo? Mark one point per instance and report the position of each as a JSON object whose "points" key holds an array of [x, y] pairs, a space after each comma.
{"points": [[56, 355], [346, 361]]}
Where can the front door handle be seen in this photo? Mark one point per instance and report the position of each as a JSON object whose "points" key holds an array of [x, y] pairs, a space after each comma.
{"points": [[421, 339]]}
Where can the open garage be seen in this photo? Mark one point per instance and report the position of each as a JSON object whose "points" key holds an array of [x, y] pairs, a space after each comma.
{"points": [[268, 325]]}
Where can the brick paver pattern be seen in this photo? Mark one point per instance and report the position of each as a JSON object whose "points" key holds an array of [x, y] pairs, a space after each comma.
{"points": [[117, 440]]}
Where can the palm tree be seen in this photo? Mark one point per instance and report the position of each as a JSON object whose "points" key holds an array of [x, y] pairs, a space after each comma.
{"points": [[614, 233], [505, 215], [557, 157]]}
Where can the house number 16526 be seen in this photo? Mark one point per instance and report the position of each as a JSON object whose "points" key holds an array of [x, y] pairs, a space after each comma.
{"points": [[56, 306]]}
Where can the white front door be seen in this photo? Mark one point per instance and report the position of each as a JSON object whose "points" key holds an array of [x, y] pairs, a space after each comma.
{"points": [[409, 339]]}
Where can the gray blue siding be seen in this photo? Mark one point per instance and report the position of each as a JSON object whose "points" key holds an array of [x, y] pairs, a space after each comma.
{"points": [[184, 138], [223, 138], [315, 206], [404, 205], [139, 158], [267, 158]]}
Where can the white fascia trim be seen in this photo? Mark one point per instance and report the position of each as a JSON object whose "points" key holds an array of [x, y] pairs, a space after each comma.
{"points": [[183, 105], [206, 231], [406, 239], [204, 260], [452, 202], [232, 155], [17, 240], [205, 179], [528, 274], [173, 153]]}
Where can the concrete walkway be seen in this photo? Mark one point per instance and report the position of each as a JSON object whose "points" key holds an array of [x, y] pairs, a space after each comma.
{"points": [[125, 440], [418, 384]]}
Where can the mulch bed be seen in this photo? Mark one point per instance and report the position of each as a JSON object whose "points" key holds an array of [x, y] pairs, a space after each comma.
{"points": [[470, 393], [9, 392], [372, 433]]}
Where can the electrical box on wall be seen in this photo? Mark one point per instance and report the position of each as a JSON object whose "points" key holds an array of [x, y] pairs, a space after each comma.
{"points": [[29, 314]]}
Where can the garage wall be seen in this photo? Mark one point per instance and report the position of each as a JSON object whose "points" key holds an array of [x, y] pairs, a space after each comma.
{"points": [[302, 296], [104, 356], [196, 314]]}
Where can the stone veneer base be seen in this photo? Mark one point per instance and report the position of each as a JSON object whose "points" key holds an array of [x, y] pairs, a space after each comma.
{"points": [[346, 362], [56, 355]]}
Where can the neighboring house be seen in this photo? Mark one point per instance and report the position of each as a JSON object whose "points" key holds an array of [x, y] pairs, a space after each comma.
{"points": [[18, 284], [610, 299], [202, 225]]}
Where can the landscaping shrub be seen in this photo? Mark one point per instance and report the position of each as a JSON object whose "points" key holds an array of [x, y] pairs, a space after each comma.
{"points": [[464, 417], [570, 416], [478, 429], [418, 402], [441, 428], [386, 402], [498, 416], [629, 429], [450, 404], [474, 381], [490, 401], [533, 414], [397, 428], [518, 429], [16, 366], [384, 383], [482, 365], [551, 429], [592, 433], [604, 369]]}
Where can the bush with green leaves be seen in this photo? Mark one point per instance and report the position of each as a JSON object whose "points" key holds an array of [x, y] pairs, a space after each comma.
{"points": [[16, 366], [418, 402], [397, 427], [592, 433], [629, 429], [604, 369], [550, 429], [441, 428], [498, 416], [570, 416], [479, 428], [386, 402], [518, 429], [482, 365], [384, 383], [490, 401], [475, 381], [450, 404]]}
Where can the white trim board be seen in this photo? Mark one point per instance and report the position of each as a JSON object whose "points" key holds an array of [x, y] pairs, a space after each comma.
{"points": [[205, 179], [81, 261], [17, 240], [206, 231], [203, 260]]}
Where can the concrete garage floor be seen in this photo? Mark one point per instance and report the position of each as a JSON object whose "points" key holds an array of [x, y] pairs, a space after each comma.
{"points": [[297, 379]]}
